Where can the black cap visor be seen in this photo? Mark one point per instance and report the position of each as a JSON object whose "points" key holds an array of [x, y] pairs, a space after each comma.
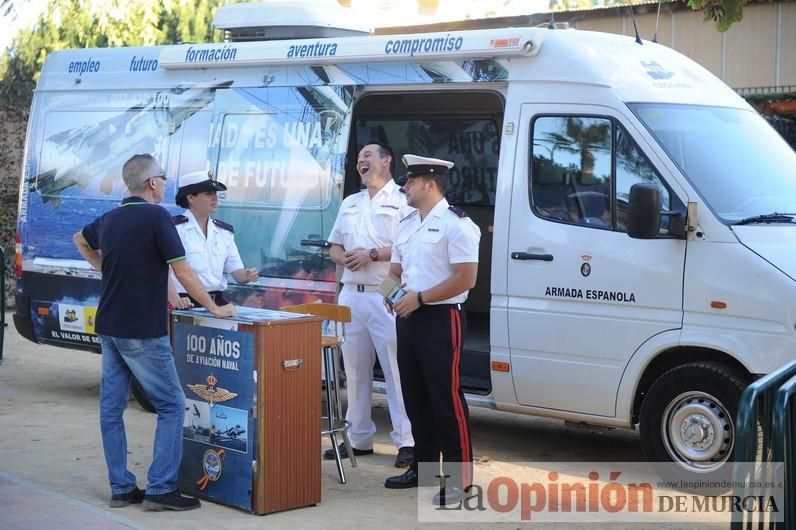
{"points": [[421, 170], [208, 185]]}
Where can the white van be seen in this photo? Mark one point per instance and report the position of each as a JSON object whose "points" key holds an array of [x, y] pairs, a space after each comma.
{"points": [[637, 262]]}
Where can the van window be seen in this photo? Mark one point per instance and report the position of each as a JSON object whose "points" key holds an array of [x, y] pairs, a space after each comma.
{"points": [[192, 157], [632, 167], [281, 152], [582, 169], [83, 151], [264, 161], [737, 162], [74, 167], [571, 170], [471, 144]]}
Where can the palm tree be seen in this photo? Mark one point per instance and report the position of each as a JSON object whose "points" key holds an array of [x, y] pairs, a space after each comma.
{"points": [[583, 135]]}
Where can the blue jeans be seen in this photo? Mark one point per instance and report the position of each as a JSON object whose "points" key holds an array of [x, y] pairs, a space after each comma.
{"points": [[152, 364]]}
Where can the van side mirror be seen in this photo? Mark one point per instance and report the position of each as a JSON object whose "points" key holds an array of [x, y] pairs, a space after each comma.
{"points": [[644, 211]]}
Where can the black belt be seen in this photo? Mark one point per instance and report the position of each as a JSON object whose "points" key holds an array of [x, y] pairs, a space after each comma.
{"points": [[217, 297], [439, 307], [363, 288]]}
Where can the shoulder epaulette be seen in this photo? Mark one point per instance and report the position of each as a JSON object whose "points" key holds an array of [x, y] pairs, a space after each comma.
{"points": [[223, 225], [458, 211], [179, 219], [408, 216]]}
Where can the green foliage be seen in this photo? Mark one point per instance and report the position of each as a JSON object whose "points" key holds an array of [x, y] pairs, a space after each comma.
{"points": [[97, 24], [570, 5], [724, 13]]}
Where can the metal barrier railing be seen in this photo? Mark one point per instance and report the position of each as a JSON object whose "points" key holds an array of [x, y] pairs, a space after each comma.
{"points": [[2, 299], [785, 444], [766, 417]]}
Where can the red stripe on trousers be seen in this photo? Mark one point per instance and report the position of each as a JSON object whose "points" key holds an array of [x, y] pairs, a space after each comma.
{"points": [[464, 439]]}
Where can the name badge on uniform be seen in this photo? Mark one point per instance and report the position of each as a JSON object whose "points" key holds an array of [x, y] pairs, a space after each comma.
{"points": [[390, 206], [433, 229]]}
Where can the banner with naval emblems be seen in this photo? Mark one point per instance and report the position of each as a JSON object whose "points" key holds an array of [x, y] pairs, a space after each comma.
{"points": [[216, 368]]}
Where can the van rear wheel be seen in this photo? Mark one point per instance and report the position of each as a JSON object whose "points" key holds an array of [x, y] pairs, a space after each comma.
{"points": [[140, 395], [688, 417]]}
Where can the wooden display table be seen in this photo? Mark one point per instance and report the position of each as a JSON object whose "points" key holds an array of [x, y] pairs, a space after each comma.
{"points": [[251, 435]]}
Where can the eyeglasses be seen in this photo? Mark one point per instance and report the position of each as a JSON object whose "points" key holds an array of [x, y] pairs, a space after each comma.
{"points": [[161, 176]]}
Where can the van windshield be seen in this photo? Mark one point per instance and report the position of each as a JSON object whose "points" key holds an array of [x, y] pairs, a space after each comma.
{"points": [[738, 163]]}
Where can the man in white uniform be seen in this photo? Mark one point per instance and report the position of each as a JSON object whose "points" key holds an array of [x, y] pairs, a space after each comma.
{"points": [[209, 243], [435, 257], [361, 240]]}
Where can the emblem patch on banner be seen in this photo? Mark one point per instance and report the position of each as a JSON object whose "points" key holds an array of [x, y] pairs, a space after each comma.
{"points": [[213, 465], [210, 392]]}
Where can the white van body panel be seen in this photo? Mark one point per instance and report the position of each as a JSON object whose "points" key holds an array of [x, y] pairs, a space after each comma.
{"points": [[757, 326], [584, 419], [503, 391], [774, 244], [557, 329], [639, 361], [648, 72]]}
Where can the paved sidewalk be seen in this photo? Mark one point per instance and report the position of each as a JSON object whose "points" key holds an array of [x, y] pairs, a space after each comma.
{"points": [[53, 474], [26, 506]]}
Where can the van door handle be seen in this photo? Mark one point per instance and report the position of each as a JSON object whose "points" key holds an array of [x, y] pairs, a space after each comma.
{"points": [[527, 256], [321, 243]]}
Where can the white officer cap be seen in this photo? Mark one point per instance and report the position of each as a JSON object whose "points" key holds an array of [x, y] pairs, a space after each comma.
{"points": [[417, 166], [196, 182]]}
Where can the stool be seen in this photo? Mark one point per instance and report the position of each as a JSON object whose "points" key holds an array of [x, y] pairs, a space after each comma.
{"points": [[340, 315]]}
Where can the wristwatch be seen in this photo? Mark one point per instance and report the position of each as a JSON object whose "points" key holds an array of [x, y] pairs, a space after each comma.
{"points": [[374, 254]]}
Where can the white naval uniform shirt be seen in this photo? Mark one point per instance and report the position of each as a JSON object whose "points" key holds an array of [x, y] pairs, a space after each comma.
{"points": [[365, 222], [427, 249], [209, 257]]}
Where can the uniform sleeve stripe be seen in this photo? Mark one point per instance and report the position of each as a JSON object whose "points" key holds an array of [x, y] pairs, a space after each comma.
{"points": [[178, 258]]}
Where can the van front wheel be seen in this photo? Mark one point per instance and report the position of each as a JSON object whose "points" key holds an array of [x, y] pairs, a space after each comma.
{"points": [[688, 417]]}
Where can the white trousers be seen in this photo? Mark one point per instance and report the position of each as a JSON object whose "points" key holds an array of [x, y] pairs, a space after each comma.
{"points": [[371, 329]]}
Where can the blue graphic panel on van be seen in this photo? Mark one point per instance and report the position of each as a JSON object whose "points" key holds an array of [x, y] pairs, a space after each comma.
{"points": [[281, 151]]}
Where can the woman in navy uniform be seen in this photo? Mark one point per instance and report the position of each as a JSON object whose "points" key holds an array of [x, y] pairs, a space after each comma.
{"points": [[435, 257], [209, 243]]}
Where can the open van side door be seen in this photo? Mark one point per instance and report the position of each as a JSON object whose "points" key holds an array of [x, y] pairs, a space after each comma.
{"points": [[582, 294]]}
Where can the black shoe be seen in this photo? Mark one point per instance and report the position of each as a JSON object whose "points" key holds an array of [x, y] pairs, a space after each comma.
{"points": [[170, 501], [448, 495], [406, 455], [120, 500], [329, 453], [399, 482]]}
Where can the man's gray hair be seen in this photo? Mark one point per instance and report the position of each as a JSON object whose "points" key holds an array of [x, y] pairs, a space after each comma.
{"points": [[137, 171]]}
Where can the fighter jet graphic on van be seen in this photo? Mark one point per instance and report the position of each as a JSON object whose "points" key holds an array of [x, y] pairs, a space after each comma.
{"points": [[77, 156]]}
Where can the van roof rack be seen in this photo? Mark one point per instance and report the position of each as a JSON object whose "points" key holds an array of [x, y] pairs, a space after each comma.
{"points": [[287, 20]]}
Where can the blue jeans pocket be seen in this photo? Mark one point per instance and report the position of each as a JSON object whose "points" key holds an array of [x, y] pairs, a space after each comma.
{"points": [[130, 347]]}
